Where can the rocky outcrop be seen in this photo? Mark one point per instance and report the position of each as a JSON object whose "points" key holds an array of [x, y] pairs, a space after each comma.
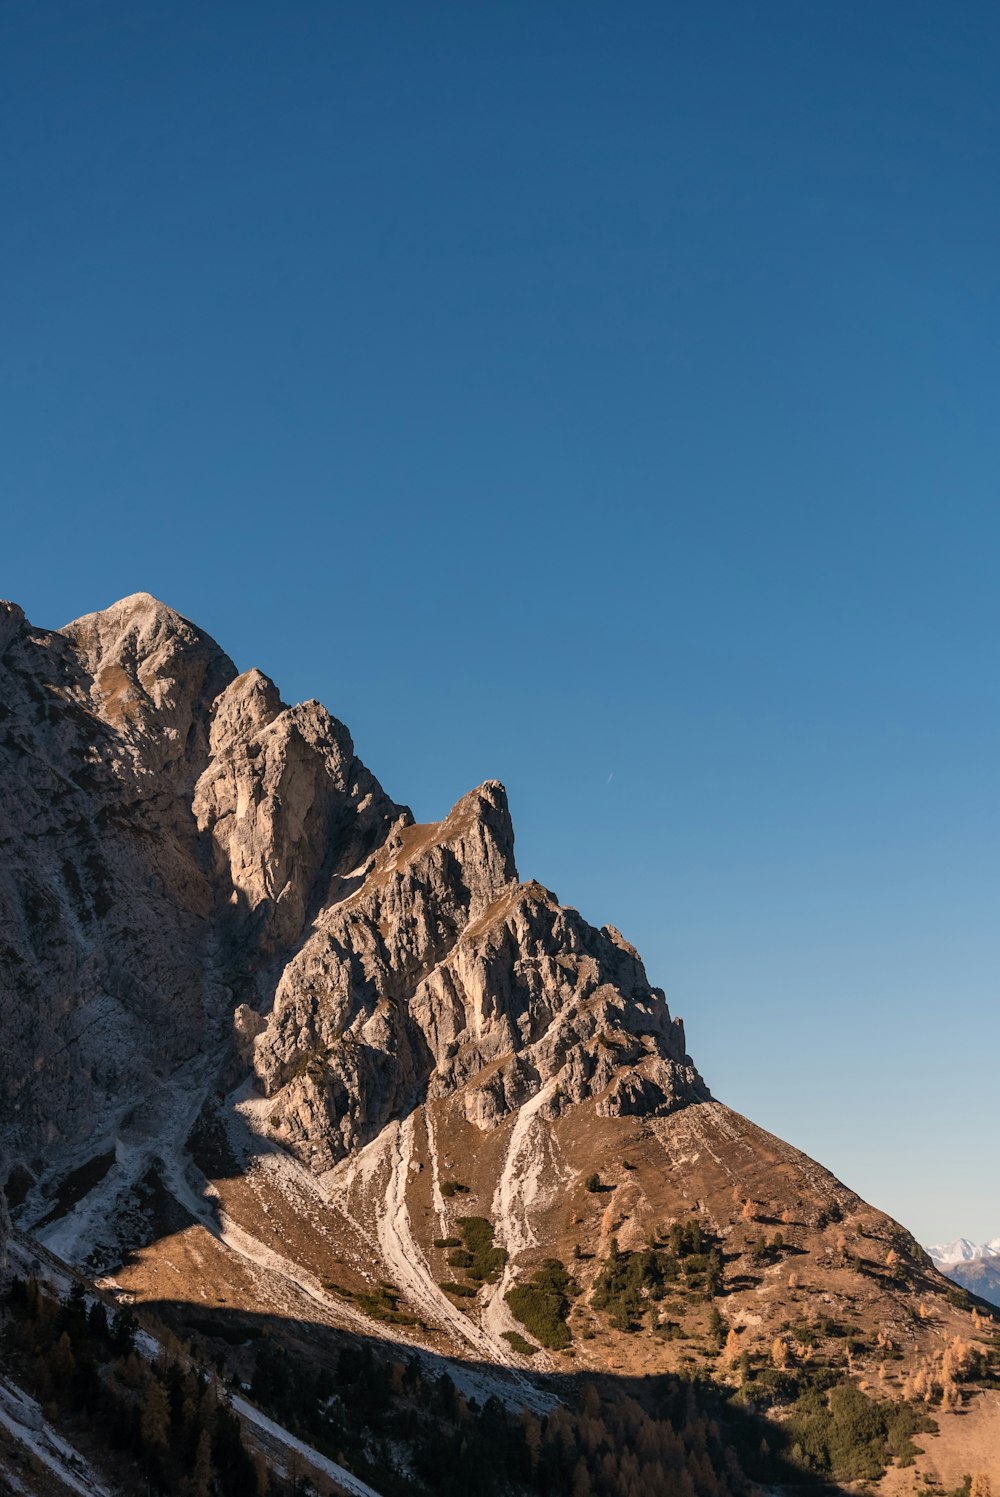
{"points": [[193, 868], [105, 944], [442, 973], [287, 804], [152, 678]]}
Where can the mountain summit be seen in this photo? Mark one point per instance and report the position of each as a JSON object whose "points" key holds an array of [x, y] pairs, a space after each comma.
{"points": [[190, 856], [270, 1045]]}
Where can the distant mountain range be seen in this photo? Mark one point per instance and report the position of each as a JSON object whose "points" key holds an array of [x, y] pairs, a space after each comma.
{"points": [[975, 1268]]}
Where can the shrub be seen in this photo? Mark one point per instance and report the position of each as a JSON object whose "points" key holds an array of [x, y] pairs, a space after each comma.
{"points": [[592, 1183], [845, 1433], [447, 1242], [464, 1291], [454, 1188], [627, 1281], [542, 1304], [484, 1260], [383, 1304], [518, 1344]]}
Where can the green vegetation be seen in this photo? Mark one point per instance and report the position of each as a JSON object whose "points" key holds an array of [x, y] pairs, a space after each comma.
{"points": [[447, 1242], [762, 1251], [630, 1284], [454, 1188], [685, 1238], [463, 1291], [518, 1344], [382, 1303], [963, 1491], [542, 1304], [593, 1183], [717, 1328], [629, 1281], [844, 1433], [485, 1261], [810, 1332]]}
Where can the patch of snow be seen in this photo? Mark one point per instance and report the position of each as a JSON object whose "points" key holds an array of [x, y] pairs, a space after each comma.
{"points": [[949, 1254]]}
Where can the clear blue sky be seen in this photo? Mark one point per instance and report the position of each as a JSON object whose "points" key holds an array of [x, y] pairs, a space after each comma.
{"points": [[599, 397]]}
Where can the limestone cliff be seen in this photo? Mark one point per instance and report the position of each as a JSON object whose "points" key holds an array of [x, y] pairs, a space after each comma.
{"points": [[194, 871]]}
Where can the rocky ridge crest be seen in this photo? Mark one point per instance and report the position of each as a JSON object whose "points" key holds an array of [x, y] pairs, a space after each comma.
{"points": [[188, 858]]}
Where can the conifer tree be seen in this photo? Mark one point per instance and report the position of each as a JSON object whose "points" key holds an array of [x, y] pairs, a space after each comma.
{"points": [[155, 1420], [201, 1476]]}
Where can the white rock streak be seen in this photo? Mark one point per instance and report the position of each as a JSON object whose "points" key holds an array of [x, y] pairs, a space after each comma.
{"points": [[518, 1186], [403, 1255], [344, 1479], [438, 1198], [23, 1419]]}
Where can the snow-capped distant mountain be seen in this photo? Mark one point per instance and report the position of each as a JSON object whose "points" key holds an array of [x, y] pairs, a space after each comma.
{"points": [[975, 1268], [947, 1254]]}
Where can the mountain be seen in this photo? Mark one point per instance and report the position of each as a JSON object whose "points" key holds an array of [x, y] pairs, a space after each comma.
{"points": [[975, 1268], [287, 1073]]}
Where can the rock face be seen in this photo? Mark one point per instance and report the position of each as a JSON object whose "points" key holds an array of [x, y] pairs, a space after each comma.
{"points": [[442, 973], [195, 873], [107, 970]]}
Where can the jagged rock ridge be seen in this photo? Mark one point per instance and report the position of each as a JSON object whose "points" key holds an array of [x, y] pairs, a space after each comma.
{"points": [[190, 862]]}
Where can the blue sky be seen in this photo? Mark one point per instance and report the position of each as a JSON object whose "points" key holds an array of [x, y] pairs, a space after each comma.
{"points": [[602, 398]]}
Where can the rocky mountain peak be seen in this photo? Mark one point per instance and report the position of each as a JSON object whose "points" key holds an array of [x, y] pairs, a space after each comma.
{"points": [[209, 859], [11, 622], [153, 678]]}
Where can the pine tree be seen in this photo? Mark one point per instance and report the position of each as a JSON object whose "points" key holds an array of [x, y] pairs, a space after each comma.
{"points": [[201, 1476], [62, 1362], [97, 1321], [155, 1420], [581, 1480]]}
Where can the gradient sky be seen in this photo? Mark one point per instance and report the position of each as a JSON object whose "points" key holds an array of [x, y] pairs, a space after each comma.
{"points": [[599, 397]]}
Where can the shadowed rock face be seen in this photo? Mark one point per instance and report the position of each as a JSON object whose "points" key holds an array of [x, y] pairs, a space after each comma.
{"points": [[194, 871], [107, 967]]}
